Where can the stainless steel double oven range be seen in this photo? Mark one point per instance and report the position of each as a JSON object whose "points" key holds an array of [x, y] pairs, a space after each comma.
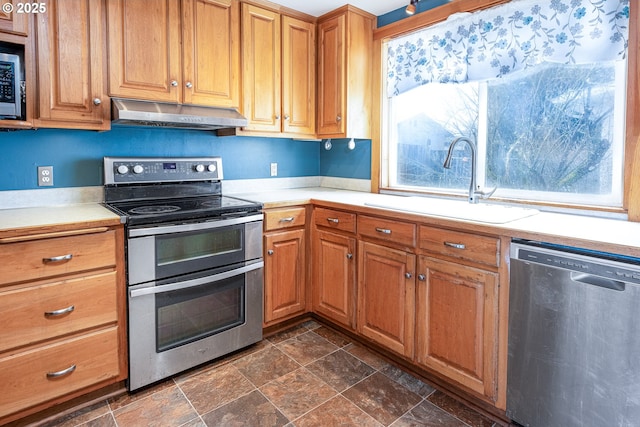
{"points": [[194, 263]]}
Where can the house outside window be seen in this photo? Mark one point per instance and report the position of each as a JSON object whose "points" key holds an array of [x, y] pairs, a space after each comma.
{"points": [[539, 87]]}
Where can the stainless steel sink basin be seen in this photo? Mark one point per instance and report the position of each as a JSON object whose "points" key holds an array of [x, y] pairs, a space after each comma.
{"points": [[481, 212]]}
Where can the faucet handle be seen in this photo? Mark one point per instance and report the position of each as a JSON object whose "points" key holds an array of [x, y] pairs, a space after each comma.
{"points": [[485, 194]]}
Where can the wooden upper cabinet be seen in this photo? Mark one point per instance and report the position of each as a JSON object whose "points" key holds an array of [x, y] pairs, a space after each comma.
{"points": [[71, 66], [279, 82], [14, 23], [261, 68], [345, 51], [144, 49], [298, 76], [211, 52]]}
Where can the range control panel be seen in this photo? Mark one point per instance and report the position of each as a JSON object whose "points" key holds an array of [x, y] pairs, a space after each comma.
{"points": [[126, 170]]}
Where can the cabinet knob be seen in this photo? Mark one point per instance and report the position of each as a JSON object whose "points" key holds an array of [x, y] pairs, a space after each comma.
{"points": [[338, 118], [422, 277], [270, 252], [408, 275], [189, 85], [97, 101], [286, 117], [349, 256], [277, 116], [174, 83]]}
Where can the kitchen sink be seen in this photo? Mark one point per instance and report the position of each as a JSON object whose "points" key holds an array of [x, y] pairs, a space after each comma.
{"points": [[481, 212]]}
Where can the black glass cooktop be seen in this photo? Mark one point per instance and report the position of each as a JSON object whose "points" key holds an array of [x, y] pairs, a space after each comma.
{"points": [[182, 209]]}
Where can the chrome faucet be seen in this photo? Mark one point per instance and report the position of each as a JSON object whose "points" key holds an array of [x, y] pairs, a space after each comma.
{"points": [[475, 194]]}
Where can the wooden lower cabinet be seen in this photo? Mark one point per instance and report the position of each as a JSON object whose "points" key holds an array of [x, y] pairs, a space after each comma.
{"points": [[284, 282], [334, 277], [457, 323], [386, 296]]}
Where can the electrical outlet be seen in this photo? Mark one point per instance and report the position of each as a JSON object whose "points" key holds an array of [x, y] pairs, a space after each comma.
{"points": [[274, 169], [45, 176]]}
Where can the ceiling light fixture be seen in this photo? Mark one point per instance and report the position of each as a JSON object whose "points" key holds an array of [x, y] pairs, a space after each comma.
{"points": [[411, 8]]}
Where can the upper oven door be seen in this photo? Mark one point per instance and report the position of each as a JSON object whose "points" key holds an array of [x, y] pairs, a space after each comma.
{"points": [[164, 251]]}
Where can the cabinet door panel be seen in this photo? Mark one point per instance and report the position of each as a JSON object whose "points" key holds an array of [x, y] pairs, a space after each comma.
{"points": [[261, 68], [334, 277], [285, 274], [71, 83], [298, 76], [15, 23], [331, 76], [144, 49], [457, 323], [211, 43], [386, 296]]}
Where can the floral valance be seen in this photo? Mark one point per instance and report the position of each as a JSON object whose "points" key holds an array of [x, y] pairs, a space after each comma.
{"points": [[507, 38]]}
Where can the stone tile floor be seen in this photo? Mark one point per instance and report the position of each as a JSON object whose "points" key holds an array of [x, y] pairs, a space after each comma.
{"points": [[308, 375]]}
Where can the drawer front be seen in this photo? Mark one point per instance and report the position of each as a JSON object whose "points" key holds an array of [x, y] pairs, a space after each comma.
{"points": [[276, 219], [480, 249], [39, 259], [402, 233], [25, 382], [337, 220], [42, 312]]}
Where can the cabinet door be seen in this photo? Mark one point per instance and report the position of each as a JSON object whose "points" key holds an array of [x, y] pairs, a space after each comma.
{"points": [[298, 76], [386, 296], [211, 52], [261, 68], [13, 22], [71, 86], [144, 49], [331, 76], [284, 274], [457, 323], [334, 277]]}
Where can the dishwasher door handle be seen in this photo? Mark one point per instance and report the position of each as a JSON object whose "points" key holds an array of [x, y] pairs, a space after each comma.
{"points": [[603, 282]]}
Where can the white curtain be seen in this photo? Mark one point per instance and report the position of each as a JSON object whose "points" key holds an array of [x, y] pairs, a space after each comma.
{"points": [[510, 37]]}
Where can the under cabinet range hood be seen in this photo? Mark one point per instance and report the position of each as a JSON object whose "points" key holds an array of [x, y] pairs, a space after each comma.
{"points": [[150, 113]]}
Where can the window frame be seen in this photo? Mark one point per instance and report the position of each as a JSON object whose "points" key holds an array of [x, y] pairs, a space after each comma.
{"points": [[631, 164]]}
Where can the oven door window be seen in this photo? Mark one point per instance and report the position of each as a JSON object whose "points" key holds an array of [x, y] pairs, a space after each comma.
{"points": [[191, 314], [199, 250]]}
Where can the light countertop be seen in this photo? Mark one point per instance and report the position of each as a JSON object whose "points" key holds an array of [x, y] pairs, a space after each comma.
{"points": [[577, 230]]}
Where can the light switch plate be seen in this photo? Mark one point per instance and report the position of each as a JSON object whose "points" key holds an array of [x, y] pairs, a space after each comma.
{"points": [[274, 169]]}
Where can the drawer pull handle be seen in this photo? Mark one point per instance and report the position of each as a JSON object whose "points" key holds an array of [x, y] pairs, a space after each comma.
{"points": [[383, 230], [455, 245], [287, 219], [60, 312], [62, 373], [60, 258], [333, 220]]}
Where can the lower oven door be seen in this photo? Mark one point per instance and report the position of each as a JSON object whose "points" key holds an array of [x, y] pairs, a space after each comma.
{"points": [[176, 325]]}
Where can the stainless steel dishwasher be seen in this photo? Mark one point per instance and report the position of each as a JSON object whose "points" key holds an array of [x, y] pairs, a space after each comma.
{"points": [[574, 337]]}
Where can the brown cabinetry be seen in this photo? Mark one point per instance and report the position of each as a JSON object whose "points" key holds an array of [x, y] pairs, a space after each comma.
{"points": [[279, 75], [345, 45], [13, 22], [155, 53], [457, 308], [334, 266], [285, 268], [71, 72], [63, 309]]}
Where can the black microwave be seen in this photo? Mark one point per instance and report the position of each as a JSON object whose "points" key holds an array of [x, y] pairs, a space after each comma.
{"points": [[10, 96]]}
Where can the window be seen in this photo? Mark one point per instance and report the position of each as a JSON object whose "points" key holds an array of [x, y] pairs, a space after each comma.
{"points": [[546, 109]]}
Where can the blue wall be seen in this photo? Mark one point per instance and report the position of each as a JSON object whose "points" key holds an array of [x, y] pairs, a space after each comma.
{"points": [[399, 14], [76, 156]]}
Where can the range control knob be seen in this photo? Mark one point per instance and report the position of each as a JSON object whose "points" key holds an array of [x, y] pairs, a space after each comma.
{"points": [[199, 168], [138, 169], [212, 167], [123, 169]]}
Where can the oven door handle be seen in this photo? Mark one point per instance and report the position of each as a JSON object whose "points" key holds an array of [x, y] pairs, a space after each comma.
{"points": [[180, 228], [195, 282]]}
